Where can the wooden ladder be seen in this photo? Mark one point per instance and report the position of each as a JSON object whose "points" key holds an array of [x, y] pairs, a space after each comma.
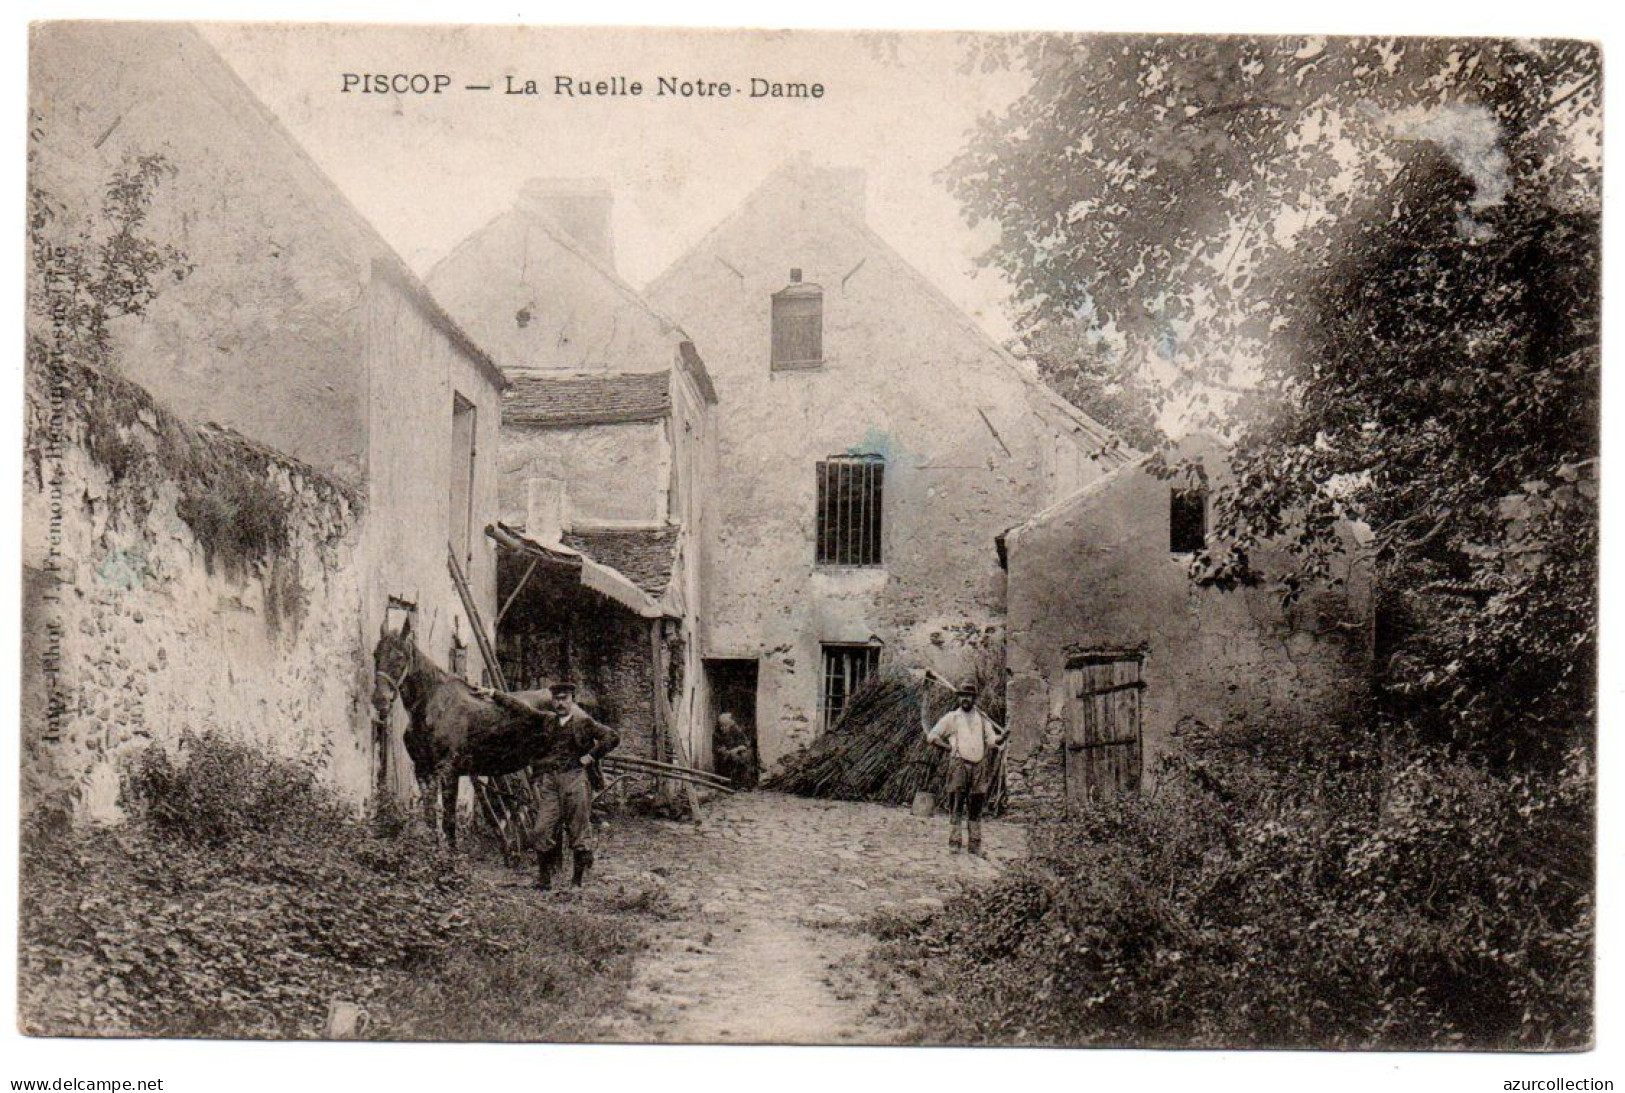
{"points": [[509, 801]]}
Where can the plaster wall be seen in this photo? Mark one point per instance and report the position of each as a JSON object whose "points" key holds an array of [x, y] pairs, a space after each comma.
{"points": [[692, 432], [969, 446], [1097, 571], [611, 473], [533, 299], [415, 373], [296, 326], [264, 335]]}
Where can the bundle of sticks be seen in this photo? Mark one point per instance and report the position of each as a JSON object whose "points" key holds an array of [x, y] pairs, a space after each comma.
{"points": [[877, 751]]}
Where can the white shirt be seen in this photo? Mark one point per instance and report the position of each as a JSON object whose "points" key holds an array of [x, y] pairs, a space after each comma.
{"points": [[968, 733]]}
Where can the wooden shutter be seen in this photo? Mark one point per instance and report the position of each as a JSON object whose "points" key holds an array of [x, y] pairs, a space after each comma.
{"points": [[798, 327]]}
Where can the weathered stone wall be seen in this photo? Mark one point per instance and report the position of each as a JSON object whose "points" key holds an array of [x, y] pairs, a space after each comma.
{"points": [[293, 322], [604, 649], [1096, 570], [137, 628], [971, 448]]}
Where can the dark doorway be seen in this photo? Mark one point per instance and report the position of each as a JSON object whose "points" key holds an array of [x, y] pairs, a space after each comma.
{"points": [[733, 719]]}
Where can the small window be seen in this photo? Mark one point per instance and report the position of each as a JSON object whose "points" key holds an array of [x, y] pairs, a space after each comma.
{"points": [[1187, 520], [851, 497], [798, 325], [845, 669]]}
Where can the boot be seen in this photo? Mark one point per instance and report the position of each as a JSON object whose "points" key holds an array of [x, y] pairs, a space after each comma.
{"points": [[547, 862], [954, 842], [974, 843], [583, 863]]}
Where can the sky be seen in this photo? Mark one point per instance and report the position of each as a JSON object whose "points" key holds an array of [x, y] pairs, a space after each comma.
{"points": [[427, 170]]}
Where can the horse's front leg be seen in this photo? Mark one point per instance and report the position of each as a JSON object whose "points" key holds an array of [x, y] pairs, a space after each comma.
{"points": [[449, 782], [428, 790]]}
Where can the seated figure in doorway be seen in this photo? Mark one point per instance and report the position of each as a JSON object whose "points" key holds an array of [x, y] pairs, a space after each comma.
{"points": [[735, 755]]}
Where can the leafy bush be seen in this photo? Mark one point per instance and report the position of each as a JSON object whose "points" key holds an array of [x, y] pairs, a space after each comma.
{"points": [[220, 789], [243, 898], [1258, 899]]}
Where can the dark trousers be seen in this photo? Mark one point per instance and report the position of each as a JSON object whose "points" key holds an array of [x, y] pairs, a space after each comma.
{"points": [[566, 801], [971, 803]]}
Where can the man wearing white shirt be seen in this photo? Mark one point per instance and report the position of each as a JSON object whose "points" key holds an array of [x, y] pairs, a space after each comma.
{"points": [[970, 738]]}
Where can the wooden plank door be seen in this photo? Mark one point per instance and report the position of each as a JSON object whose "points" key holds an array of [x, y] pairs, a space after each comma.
{"points": [[1102, 711]]}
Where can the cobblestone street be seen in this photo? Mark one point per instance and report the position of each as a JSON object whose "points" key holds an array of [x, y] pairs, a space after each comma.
{"points": [[764, 940]]}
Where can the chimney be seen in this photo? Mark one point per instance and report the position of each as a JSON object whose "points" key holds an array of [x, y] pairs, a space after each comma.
{"points": [[580, 208], [545, 505]]}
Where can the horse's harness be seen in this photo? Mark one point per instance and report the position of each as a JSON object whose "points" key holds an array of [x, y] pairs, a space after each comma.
{"points": [[395, 692]]}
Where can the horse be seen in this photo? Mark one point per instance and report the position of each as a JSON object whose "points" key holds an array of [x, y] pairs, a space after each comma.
{"points": [[454, 730]]}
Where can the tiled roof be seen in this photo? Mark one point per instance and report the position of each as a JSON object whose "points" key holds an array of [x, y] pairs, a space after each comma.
{"points": [[645, 555], [586, 400]]}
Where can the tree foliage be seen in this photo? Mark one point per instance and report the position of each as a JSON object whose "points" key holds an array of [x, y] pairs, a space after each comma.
{"points": [[1373, 264], [1153, 184]]}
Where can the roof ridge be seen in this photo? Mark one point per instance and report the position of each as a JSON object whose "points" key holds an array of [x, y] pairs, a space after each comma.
{"points": [[1079, 495]]}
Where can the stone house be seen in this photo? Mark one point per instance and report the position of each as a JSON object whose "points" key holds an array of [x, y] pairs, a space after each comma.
{"points": [[1112, 646], [872, 441], [603, 477], [607, 456], [304, 338]]}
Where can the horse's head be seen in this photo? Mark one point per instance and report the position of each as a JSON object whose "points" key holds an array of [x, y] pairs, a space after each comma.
{"points": [[393, 658]]}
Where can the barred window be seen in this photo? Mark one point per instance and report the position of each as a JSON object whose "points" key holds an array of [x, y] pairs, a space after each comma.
{"points": [[798, 325], [851, 496], [845, 668], [1187, 520]]}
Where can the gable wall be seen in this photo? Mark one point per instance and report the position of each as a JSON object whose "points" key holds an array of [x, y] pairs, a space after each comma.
{"points": [[902, 378], [533, 302]]}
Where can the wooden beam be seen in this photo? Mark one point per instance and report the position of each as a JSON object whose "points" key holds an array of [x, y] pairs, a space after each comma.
{"points": [[488, 653], [518, 588], [663, 722]]}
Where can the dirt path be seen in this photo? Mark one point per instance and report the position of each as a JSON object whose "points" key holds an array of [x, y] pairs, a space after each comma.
{"points": [[763, 941]]}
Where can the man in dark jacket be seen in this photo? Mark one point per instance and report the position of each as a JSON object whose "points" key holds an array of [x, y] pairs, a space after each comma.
{"points": [[575, 742]]}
